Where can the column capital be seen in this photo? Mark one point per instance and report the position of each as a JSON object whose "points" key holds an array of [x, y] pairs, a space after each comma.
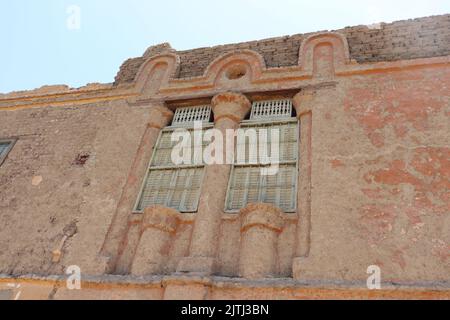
{"points": [[161, 218], [160, 116], [261, 225], [303, 102], [231, 105], [262, 215]]}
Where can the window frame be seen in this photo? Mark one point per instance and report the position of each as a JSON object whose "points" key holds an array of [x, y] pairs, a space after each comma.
{"points": [[11, 142], [150, 168], [255, 123]]}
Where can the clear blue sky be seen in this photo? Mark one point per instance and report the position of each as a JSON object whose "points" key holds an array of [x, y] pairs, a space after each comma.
{"points": [[38, 47]]}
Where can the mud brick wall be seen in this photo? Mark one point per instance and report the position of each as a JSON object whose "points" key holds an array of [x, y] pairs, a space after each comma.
{"points": [[409, 39], [63, 176]]}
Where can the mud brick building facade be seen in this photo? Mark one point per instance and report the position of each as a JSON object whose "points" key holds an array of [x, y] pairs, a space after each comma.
{"points": [[366, 179]]}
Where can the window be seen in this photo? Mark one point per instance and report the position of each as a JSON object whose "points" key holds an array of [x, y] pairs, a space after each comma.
{"points": [[187, 116], [272, 109], [248, 183], [5, 148], [170, 185]]}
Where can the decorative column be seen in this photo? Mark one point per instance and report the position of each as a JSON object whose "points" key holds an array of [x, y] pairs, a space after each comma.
{"points": [[160, 117], [261, 225], [159, 225], [229, 110], [303, 103]]}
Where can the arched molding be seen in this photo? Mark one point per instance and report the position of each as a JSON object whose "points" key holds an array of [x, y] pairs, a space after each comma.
{"points": [[341, 53], [251, 61], [169, 61]]}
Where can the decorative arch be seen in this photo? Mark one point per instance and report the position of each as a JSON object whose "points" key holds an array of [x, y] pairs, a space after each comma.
{"points": [[156, 72], [340, 55], [248, 62]]}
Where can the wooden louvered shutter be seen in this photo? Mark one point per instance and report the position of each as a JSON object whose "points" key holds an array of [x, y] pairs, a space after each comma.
{"points": [[247, 183], [187, 116], [3, 147], [170, 185], [156, 189], [271, 109], [191, 192], [163, 151]]}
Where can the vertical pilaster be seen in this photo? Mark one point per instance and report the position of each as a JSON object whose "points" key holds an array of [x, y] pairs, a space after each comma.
{"points": [[261, 224], [160, 117], [229, 110], [159, 225], [303, 103]]}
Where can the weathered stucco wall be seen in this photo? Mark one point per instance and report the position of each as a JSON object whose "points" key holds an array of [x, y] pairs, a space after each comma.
{"points": [[380, 177], [374, 178], [45, 193]]}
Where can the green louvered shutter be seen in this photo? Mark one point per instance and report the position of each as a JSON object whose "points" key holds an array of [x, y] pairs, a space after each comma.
{"points": [[170, 185], [247, 183]]}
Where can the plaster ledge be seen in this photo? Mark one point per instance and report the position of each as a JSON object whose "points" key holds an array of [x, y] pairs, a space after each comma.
{"points": [[225, 282]]}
